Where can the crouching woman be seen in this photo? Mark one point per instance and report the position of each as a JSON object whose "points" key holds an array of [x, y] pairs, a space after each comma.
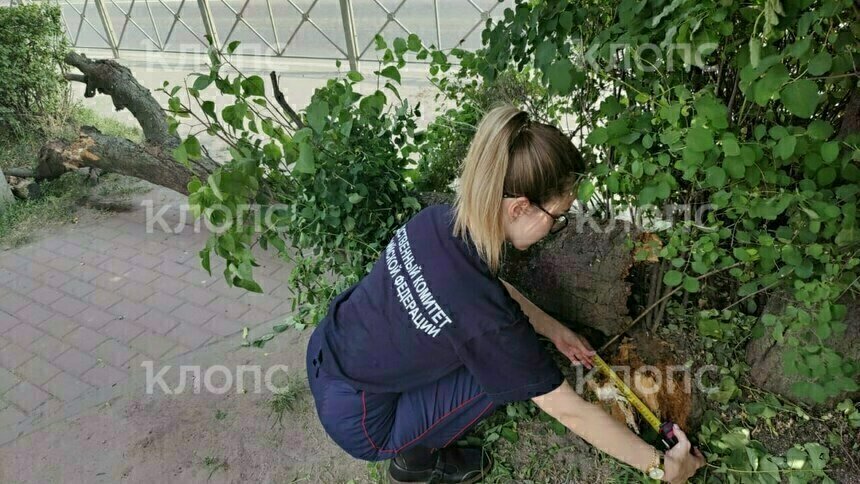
{"points": [[431, 340]]}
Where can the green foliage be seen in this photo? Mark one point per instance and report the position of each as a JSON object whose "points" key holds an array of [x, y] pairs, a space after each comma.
{"points": [[445, 142], [32, 46], [738, 107], [329, 193]]}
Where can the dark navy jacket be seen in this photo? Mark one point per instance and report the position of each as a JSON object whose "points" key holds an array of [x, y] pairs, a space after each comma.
{"points": [[429, 306]]}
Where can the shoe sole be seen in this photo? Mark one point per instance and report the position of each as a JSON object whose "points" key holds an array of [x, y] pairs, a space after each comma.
{"points": [[392, 480], [395, 481]]}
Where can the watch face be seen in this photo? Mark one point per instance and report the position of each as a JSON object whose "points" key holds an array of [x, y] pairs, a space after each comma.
{"points": [[655, 473]]}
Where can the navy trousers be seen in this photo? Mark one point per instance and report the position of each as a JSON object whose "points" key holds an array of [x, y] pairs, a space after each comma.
{"points": [[376, 426]]}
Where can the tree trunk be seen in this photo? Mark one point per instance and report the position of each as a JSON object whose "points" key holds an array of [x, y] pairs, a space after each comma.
{"points": [[152, 160]]}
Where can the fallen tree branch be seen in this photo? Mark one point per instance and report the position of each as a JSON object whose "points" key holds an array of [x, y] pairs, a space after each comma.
{"points": [[282, 101]]}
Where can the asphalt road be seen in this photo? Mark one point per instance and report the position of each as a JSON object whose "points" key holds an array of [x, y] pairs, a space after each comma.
{"points": [[276, 32]]}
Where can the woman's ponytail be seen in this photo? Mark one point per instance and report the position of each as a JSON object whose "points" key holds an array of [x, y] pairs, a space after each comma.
{"points": [[510, 154]]}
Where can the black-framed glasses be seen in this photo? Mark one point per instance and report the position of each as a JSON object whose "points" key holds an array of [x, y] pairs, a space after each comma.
{"points": [[559, 222]]}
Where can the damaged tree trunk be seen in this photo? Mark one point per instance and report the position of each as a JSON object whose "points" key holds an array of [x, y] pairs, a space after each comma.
{"points": [[152, 160]]}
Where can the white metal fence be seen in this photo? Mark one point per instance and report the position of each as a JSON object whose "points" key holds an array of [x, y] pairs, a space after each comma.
{"points": [[307, 29]]}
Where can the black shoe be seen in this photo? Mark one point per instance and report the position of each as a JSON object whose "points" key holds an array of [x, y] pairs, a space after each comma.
{"points": [[449, 465]]}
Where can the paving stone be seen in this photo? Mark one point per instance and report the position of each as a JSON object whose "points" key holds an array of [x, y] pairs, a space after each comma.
{"points": [[103, 376], [113, 353], [189, 335], [102, 298], [34, 270], [68, 305], [23, 334], [37, 370], [10, 416], [157, 321], [262, 302], [75, 361], [86, 273], [163, 302], [12, 302], [49, 347], [58, 325], [7, 380], [145, 260], [62, 264], [11, 260], [115, 265], [27, 396], [94, 318], [54, 278], [254, 317], [197, 295], [69, 250], [169, 285], [7, 321], [172, 269], [46, 295], [193, 314], [229, 308], [223, 326], [174, 352], [108, 281], [84, 338], [135, 291], [153, 345], [13, 356], [77, 288], [33, 313], [65, 387], [128, 309], [121, 330], [23, 284]]}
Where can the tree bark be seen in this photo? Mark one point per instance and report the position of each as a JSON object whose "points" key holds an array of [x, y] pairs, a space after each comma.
{"points": [[152, 160]]}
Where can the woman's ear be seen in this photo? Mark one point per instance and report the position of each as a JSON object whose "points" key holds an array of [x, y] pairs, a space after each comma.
{"points": [[518, 207]]}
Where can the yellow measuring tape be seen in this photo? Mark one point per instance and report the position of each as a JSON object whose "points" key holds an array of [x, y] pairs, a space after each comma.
{"points": [[628, 393]]}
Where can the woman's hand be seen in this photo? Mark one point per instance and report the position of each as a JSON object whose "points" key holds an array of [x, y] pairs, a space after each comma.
{"points": [[679, 464], [573, 346]]}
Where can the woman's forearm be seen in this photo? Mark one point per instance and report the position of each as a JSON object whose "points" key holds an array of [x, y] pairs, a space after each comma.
{"points": [[597, 427], [543, 323]]}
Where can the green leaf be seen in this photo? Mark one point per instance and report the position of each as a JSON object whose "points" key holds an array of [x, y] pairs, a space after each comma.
{"points": [[413, 42], [820, 64], [785, 148], [254, 86], [355, 198], [700, 139], [672, 278], [249, 285], [306, 162], [202, 82], [391, 72], [800, 98], [597, 136], [830, 151], [715, 176], [231, 47], [316, 113], [734, 166], [755, 51], [354, 76], [560, 77], [586, 189], [819, 129], [730, 146], [825, 176], [691, 284]]}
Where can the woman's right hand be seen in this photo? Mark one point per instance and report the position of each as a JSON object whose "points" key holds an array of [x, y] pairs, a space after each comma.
{"points": [[680, 464]]}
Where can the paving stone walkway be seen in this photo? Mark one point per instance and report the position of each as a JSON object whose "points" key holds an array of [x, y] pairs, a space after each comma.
{"points": [[83, 306]]}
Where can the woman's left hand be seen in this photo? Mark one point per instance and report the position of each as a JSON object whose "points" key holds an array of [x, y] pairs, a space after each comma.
{"points": [[573, 346]]}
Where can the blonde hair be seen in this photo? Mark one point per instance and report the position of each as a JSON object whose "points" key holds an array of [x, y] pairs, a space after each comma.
{"points": [[509, 154]]}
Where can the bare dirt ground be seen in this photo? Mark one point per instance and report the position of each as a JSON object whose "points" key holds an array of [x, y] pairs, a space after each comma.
{"points": [[188, 438]]}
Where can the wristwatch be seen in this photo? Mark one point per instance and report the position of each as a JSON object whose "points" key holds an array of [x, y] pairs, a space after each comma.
{"points": [[655, 470]]}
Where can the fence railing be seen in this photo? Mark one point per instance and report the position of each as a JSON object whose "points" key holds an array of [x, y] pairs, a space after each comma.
{"points": [[304, 29]]}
